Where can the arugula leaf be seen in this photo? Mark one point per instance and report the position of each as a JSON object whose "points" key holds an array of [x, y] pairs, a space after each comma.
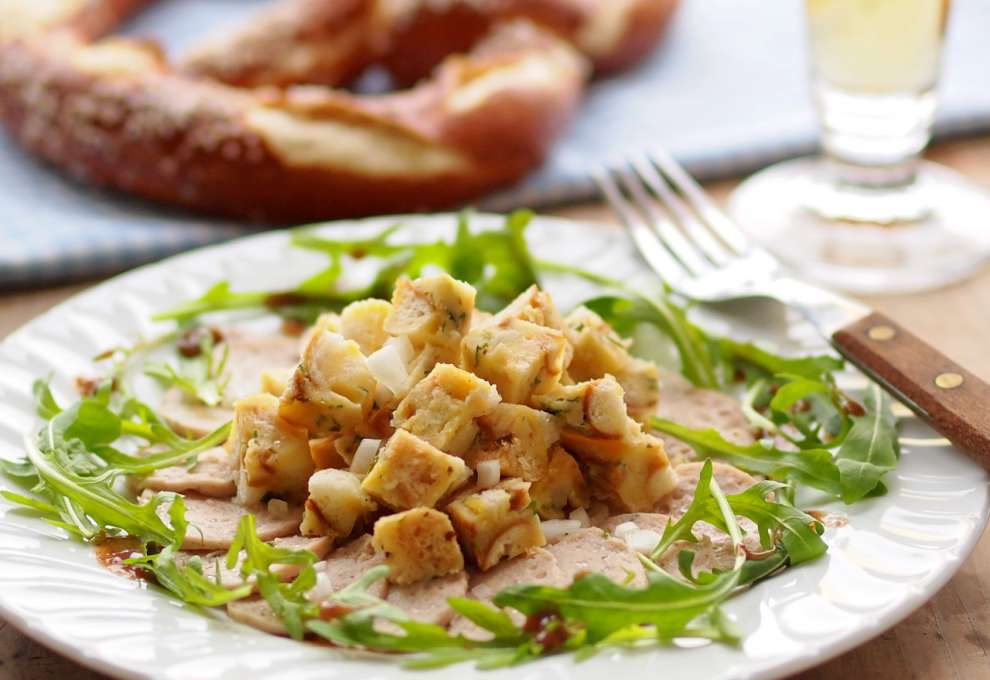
{"points": [[288, 600], [88, 504], [605, 607], [870, 450], [73, 464], [496, 262], [798, 532], [186, 581], [758, 569], [179, 454], [44, 402], [624, 313], [810, 367], [812, 467], [702, 508], [201, 377], [493, 620], [756, 395], [795, 534]]}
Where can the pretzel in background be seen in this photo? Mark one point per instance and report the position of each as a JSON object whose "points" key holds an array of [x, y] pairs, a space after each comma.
{"points": [[249, 124]]}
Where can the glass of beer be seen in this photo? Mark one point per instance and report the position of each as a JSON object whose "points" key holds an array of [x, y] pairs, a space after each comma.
{"points": [[869, 215]]}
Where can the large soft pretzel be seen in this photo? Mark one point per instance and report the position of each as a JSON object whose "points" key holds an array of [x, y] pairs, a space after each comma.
{"points": [[246, 126]]}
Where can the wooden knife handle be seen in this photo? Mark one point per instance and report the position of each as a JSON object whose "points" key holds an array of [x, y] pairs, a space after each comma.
{"points": [[954, 401]]}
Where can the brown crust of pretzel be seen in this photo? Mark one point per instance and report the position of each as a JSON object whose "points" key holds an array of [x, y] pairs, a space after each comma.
{"points": [[168, 138], [410, 47], [172, 137], [434, 33]]}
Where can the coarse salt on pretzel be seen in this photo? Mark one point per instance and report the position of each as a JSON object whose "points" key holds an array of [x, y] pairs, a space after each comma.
{"points": [[246, 127]]}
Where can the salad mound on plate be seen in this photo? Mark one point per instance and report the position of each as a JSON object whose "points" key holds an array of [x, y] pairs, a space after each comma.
{"points": [[460, 471]]}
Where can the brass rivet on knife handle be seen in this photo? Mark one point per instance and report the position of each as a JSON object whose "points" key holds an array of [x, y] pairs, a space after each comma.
{"points": [[882, 333], [955, 402], [949, 381]]}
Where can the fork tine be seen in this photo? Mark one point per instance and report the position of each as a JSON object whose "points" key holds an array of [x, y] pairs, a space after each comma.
{"points": [[693, 228], [670, 236], [649, 245], [712, 215]]}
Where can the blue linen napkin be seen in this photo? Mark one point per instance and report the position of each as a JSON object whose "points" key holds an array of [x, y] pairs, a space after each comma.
{"points": [[726, 92]]}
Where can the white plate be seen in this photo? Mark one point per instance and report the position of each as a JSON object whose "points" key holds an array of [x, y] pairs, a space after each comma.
{"points": [[895, 552]]}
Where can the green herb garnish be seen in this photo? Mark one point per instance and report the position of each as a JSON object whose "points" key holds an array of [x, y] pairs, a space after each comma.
{"points": [[200, 377]]}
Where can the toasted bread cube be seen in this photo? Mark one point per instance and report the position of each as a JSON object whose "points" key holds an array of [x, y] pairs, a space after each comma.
{"points": [[406, 366], [275, 382], [328, 321], [331, 390], [326, 454], [599, 351], [597, 348], [519, 437], [518, 357], [639, 480], [432, 310], [418, 545], [442, 408], [595, 408], [336, 504], [496, 523], [562, 487], [640, 382], [412, 473], [364, 323], [479, 317], [532, 305], [272, 454]]}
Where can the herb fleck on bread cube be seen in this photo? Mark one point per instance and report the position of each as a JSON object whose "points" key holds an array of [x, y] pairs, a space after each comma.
{"points": [[271, 454], [441, 409], [331, 390], [598, 351], [432, 310], [497, 523], [418, 545], [594, 408], [519, 357], [631, 473], [412, 473], [519, 437]]}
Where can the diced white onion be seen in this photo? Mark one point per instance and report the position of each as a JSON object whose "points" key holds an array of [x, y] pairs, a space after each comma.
{"points": [[403, 346], [642, 540], [581, 515], [489, 472], [278, 508], [625, 528], [555, 528], [321, 590], [388, 366], [364, 457]]}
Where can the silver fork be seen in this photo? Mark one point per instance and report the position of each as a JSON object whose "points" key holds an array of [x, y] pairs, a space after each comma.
{"points": [[701, 254]]}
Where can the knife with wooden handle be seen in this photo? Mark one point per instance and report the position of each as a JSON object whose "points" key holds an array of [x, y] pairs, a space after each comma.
{"points": [[952, 400]]}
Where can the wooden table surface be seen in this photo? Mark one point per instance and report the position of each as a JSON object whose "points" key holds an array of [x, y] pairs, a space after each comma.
{"points": [[948, 638]]}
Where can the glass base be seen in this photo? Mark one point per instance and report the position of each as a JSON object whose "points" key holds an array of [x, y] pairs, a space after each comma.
{"points": [[795, 212]]}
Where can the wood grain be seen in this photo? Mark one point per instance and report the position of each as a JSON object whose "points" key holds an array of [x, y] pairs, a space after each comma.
{"points": [[947, 639], [951, 399]]}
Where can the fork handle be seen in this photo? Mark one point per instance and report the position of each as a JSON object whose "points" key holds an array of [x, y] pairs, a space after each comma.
{"points": [[953, 401]]}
